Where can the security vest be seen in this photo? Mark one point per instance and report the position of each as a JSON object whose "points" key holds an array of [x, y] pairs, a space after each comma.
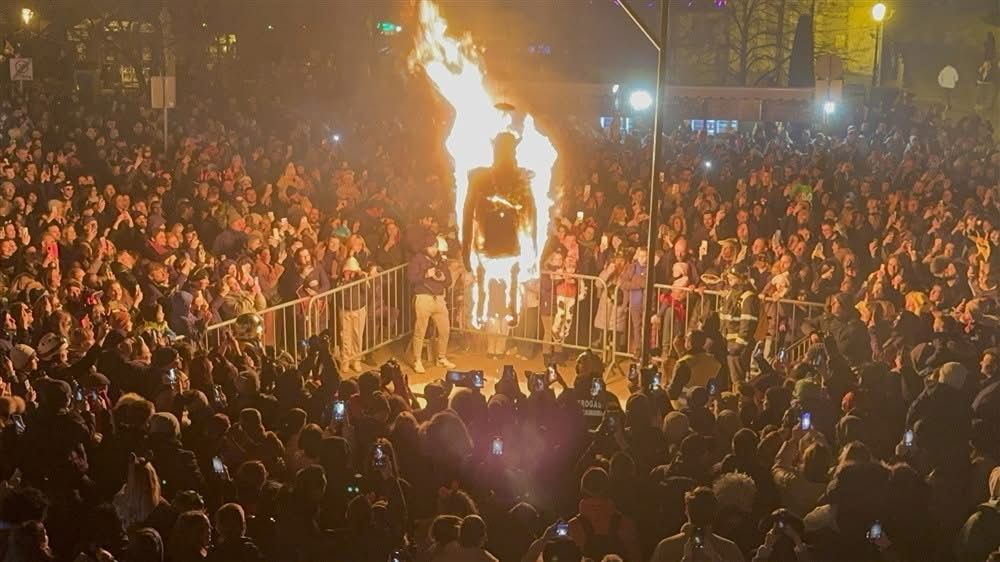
{"points": [[741, 316]]}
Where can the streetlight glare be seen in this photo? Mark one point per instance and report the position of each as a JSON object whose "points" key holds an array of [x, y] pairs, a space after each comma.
{"points": [[879, 11], [640, 100], [615, 88], [829, 107], [27, 14]]}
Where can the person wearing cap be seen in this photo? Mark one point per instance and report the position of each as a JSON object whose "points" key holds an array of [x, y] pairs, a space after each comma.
{"points": [[352, 313], [430, 278], [24, 359], [740, 313]]}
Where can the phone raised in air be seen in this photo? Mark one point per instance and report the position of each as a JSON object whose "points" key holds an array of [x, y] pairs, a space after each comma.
{"points": [[339, 410]]}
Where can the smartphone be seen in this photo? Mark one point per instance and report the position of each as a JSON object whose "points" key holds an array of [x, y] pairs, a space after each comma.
{"points": [[875, 531], [781, 523], [536, 382], [79, 395], [399, 555], [713, 388], [353, 489], [633, 373], [454, 377], [507, 373], [553, 375], [819, 360], [172, 376], [698, 539], [908, 438], [562, 529], [497, 447], [478, 380], [596, 387], [579, 215], [655, 384], [782, 355], [379, 456], [18, 423], [218, 466], [805, 421], [339, 408]]}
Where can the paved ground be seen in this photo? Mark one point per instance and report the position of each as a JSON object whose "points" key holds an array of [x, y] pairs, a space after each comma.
{"points": [[474, 359]]}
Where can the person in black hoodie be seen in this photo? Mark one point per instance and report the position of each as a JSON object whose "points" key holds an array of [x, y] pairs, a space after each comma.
{"points": [[232, 544], [177, 466]]}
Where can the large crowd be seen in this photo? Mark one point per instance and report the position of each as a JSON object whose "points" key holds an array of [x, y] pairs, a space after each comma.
{"points": [[124, 437]]}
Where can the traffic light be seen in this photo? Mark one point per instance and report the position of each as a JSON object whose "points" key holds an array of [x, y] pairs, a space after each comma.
{"points": [[388, 28]]}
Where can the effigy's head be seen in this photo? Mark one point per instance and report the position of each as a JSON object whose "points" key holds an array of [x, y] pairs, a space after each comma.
{"points": [[505, 148]]}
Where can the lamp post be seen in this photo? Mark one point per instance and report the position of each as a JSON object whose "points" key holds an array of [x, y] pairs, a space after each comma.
{"points": [[649, 300], [878, 14]]}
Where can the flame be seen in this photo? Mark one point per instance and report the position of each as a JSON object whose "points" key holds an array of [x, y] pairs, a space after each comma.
{"points": [[453, 66]]}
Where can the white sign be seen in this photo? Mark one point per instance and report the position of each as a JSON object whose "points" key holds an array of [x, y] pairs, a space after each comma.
{"points": [[21, 69], [163, 91]]}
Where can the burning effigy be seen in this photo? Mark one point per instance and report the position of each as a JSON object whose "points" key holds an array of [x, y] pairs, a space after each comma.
{"points": [[502, 172]]}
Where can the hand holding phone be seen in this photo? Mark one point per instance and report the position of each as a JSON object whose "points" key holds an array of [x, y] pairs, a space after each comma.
{"points": [[805, 421], [497, 446], [562, 529], [339, 410]]}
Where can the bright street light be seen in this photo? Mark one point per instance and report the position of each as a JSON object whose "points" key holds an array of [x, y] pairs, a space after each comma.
{"points": [[640, 100], [879, 11], [829, 107], [27, 14]]}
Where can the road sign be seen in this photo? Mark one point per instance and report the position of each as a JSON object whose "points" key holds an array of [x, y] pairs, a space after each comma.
{"points": [[21, 69], [163, 92]]}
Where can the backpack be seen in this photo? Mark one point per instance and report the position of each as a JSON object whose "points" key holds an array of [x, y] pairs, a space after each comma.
{"points": [[596, 547]]}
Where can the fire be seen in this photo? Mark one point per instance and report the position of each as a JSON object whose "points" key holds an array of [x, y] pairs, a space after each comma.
{"points": [[453, 65]]}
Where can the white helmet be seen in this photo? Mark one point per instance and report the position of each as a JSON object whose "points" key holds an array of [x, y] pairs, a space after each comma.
{"points": [[50, 345]]}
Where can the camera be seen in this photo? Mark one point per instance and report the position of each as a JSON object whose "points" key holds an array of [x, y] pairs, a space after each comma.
{"points": [[390, 371], [466, 379]]}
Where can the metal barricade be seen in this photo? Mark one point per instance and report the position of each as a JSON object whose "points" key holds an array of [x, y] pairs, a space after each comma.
{"points": [[285, 328], [364, 315], [557, 313], [681, 309]]}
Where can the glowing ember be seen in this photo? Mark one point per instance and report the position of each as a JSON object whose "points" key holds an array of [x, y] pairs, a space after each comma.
{"points": [[454, 68]]}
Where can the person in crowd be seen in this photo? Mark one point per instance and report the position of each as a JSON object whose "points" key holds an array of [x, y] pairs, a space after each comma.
{"points": [[841, 403], [429, 279], [697, 538]]}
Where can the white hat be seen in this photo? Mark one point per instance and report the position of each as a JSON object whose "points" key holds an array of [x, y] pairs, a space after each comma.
{"points": [[351, 264], [21, 356], [953, 374], [50, 344]]}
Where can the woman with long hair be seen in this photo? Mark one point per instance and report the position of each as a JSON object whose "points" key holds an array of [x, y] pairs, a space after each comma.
{"points": [[389, 252], [140, 497]]}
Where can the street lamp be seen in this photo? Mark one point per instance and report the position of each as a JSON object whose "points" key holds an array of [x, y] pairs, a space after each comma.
{"points": [[640, 100], [879, 12], [27, 14]]}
